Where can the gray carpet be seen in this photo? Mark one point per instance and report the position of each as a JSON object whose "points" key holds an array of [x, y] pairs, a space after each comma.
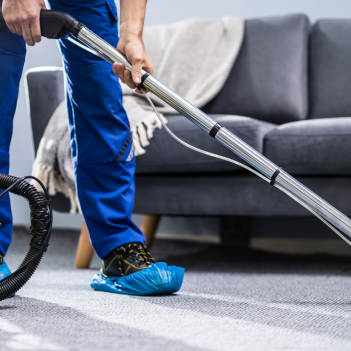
{"points": [[231, 300]]}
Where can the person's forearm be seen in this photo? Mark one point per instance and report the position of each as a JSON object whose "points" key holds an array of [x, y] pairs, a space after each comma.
{"points": [[131, 44], [132, 17]]}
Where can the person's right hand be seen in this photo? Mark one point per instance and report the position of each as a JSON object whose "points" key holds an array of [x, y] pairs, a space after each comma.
{"points": [[22, 18]]}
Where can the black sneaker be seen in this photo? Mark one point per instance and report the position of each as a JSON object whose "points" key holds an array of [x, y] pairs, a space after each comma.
{"points": [[126, 259]]}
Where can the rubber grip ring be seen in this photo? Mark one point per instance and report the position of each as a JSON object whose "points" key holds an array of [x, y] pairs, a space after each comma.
{"points": [[140, 86], [214, 130], [274, 176]]}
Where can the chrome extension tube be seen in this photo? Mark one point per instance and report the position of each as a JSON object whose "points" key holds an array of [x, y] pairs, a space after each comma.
{"points": [[282, 179]]}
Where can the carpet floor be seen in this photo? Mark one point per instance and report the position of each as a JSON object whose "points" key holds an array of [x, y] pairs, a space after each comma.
{"points": [[231, 299]]}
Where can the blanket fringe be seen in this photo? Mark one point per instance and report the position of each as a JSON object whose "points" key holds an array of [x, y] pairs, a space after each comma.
{"points": [[54, 183], [144, 131]]}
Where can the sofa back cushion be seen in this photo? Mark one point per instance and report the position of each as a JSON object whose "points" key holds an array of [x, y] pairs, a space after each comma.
{"points": [[269, 78], [330, 80], [44, 94], [45, 91]]}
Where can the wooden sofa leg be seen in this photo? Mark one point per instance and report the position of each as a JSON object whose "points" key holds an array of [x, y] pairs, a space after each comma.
{"points": [[148, 226], [85, 251]]}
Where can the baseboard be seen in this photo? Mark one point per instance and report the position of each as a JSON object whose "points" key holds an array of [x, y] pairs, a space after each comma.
{"points": [[302, 246], [293, 246], [211, 239]]}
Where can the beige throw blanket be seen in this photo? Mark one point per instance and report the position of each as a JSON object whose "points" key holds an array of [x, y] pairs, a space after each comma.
{"points": [[193, 57]]}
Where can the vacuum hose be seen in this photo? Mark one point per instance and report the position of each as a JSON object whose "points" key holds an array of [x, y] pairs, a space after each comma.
{"points": [[40, 229]]}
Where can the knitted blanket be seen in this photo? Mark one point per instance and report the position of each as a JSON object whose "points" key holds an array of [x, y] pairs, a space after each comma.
{"points": [[193, 57]]}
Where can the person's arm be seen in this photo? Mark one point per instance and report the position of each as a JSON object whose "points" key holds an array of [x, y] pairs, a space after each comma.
{"points": [[130, 43], [22, 18]]}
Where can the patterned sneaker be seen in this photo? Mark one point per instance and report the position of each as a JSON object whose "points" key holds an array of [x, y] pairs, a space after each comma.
{"points": [[126, 259]]}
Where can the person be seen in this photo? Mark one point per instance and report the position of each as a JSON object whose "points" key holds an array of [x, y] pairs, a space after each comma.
{"points": [[101, 142]]}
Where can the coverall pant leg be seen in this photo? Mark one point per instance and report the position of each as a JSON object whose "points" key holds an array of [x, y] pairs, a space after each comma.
{"points": [[99, 131], [12, 56]]}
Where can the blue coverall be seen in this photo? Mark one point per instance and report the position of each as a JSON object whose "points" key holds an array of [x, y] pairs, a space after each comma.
{"points": [[98, 125]]}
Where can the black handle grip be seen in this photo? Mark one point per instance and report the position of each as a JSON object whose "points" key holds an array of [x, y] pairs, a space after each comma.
{"points": [[53, 24]]}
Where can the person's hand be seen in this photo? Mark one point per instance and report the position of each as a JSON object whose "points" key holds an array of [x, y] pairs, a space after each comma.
{"points": [[133, 48], [22, 18]]}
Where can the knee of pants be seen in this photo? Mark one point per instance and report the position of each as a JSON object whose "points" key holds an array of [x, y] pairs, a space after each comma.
{"points": [[106, 188], [99, 126]]}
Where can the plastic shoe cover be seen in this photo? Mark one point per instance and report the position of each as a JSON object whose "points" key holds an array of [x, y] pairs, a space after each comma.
{"points": [[157, 279], [4, 270]]}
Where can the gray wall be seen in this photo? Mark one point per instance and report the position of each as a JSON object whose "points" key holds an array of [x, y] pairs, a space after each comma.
{"points": [[158, 12]]}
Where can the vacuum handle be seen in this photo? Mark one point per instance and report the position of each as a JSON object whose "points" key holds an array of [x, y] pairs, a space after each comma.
{"points": [[57, 24], [53, 24]]}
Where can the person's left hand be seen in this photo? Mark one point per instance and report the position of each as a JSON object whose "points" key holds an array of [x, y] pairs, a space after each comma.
{"points": [[133, 48]]}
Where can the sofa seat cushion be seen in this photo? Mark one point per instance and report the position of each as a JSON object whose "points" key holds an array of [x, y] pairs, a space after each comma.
{"points": [[315, 147], [166, 155]]}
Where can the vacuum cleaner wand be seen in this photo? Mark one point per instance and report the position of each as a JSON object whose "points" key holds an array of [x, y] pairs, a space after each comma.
{"points": [[278, 178]]}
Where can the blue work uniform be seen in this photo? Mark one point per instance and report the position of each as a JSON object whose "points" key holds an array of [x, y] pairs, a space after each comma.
{"points": [[98, 125]]}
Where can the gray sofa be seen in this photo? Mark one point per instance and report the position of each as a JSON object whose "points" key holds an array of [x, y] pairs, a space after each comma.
{"points": [[288, 95]]}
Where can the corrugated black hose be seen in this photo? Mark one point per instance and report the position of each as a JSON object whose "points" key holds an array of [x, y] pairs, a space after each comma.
{"points": [[40, 229]]}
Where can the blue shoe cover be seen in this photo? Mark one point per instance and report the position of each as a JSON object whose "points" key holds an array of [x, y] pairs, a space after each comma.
{"points": [[4, 270], [157, 279]]}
